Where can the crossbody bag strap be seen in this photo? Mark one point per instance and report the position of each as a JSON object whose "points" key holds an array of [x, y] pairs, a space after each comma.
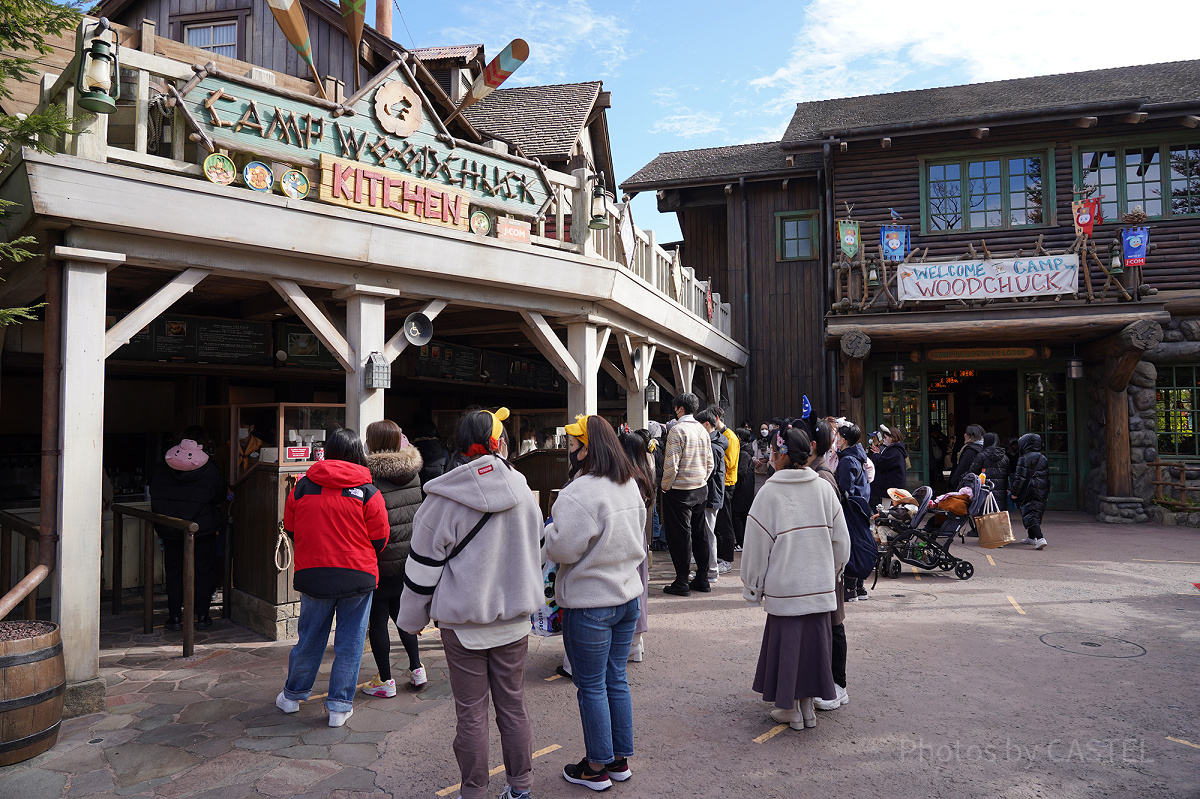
{"points": [[474, 532]]}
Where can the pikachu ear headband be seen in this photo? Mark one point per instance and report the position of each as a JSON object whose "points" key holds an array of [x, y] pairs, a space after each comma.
{"points": [[493, 444], [578, 429]]}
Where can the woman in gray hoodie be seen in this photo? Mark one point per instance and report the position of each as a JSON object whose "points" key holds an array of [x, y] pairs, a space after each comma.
{"points": [[476, 568]]}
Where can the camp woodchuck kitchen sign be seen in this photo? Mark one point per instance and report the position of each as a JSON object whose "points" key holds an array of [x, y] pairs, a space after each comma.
{"points": [[981, 280], [377, 151]]}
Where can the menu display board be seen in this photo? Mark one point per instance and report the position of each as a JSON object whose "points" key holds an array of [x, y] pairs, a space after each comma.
{"points": [[302, 348], [449, 362], [197, 339], [439, 359]]}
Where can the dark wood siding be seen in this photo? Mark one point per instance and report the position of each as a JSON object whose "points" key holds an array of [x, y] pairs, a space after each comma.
{"points": [[873, 179]]}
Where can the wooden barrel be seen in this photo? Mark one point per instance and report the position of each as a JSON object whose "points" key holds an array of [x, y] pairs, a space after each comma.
{"points": [[32, 682]]}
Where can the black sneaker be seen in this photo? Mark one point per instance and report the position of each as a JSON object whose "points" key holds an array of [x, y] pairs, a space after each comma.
{"points": [[619, 769], [678, 589], [862, 593], [702, 587], [581, 774]]}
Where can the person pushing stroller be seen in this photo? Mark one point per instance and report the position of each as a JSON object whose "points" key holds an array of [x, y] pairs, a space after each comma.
{"points": [[1030, 487]]}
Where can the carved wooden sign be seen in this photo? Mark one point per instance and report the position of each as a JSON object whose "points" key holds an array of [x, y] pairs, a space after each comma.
{"points": [[389, 129], [981, 354], [353, 185]]}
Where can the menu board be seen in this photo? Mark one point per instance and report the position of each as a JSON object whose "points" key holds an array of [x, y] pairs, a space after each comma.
{"points": [[301, 348], [444, 361], [449, 362], [197, 339], [496, 368]]}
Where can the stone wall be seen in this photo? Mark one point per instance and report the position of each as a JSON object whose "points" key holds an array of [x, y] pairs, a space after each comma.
{"points": [[1181, 345], [1143, 446]]}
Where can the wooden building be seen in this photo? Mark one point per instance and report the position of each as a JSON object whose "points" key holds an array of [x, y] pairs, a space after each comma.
{"points": [[189, 279], [984, 178]]}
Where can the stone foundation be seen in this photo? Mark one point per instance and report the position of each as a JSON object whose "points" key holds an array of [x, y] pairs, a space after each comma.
{"points": [[83, 698], [276, 622], [1122, 510]]}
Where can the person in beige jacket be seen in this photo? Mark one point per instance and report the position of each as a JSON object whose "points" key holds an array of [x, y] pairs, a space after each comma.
{"points": [[796, 545]]}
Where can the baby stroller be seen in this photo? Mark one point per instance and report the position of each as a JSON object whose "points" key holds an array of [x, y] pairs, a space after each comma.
{"points": [[916, 537]]}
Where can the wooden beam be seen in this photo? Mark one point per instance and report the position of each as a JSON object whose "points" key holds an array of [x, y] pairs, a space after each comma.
{"points": [[1136, 118], [615, 373], [551, 346], [602, 336], [625, 346], [715, 379], [1189, 121], [120, 333], [316, 321], [1086, 122], [664, 382], [684, 369], [397, 343], [980, 325], [1137, 337], [980, 133]]}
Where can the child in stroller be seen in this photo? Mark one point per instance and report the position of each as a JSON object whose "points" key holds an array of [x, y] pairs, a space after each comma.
{"points": [[918, 529]]}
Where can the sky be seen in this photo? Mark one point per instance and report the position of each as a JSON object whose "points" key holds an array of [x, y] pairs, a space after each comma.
{"points": [[689, 75]]}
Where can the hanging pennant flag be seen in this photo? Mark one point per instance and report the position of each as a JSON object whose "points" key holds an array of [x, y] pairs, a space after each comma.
{"points": [[1086, 214], [894, 240], [496, 73], [354, 14], [1136, 243], [848, 233], [290, 18], [806, 409]]}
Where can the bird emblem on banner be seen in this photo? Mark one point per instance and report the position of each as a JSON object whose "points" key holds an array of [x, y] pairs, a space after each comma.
{"points": [[849, 235], [1087, 214], [1136, 242], [894, 240]]}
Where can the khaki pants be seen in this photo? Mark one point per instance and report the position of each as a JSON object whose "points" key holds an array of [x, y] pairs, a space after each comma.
{"points": [[473, 674]]}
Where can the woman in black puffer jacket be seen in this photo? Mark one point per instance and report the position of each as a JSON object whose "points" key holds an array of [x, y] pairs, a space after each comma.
{"points": [[1030, 487], [395, 470], [993, 462]]}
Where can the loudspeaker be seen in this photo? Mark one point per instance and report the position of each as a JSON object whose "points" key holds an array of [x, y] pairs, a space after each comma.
{"points": [[418, 329]]}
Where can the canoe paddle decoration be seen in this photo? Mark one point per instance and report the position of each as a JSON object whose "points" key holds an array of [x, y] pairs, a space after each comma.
{"points": [[496, 73], [290, 18], [354, 14]]}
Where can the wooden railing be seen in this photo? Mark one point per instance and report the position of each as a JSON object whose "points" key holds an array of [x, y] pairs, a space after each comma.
{"points": [[11, 523], [150, 519], [125, 137], [1179, 503]]}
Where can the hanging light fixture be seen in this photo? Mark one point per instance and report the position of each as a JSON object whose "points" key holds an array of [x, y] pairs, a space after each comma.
{"points": [[898, 369], [599, 219], [872, 275], [1115, 266], [378, 372], [97, 79], [1074, 364]]}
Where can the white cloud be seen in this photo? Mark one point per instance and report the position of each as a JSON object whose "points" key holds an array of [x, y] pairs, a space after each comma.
{"points": [[558, 34], [695, 123], [853, 47]]}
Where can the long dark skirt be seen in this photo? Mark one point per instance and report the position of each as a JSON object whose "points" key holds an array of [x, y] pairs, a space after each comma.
{"points": [[796, 658]]}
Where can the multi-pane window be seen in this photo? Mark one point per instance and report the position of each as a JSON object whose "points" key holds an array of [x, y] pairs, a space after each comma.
{"points": [[215, 37], [796, 236], [1161, 179], [1177, 407], [983, 193]]}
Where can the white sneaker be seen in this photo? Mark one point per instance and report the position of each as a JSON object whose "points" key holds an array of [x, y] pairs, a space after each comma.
{"points": [[724, 567], [378, 687], [842, 698], [418, 677], [713, 574], [337, 719], [1039, 544], [285, 704], [1026, 540]]}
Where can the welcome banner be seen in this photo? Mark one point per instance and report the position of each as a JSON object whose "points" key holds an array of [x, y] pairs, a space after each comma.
{"points": [[981, 280]]}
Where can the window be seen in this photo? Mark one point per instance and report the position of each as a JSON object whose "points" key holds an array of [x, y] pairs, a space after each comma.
{"points": [[796, 236], [1163, 179], [215, 37], [1177, 406], [984, 192]]}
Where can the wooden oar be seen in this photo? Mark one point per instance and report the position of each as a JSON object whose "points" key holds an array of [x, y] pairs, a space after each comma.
{"points": [[354, 14], [290, 18], [496, 73]]}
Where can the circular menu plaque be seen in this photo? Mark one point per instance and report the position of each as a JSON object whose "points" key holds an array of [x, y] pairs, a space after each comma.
{"points": [[294, 184], [220, 169], [257, 176], [481, 223]]}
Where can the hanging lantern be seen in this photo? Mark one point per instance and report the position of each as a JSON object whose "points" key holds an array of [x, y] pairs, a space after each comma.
{"points": [[1115, 267], [97, 79], [898, 372], [378, 371], [873, 275], [599, 214], [651, 391], [1074, 368]]}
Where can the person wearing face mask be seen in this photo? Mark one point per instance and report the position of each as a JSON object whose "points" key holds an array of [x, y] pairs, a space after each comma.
{"points": [[248, 448], [687, 465], [761, 455], [851, 474]]}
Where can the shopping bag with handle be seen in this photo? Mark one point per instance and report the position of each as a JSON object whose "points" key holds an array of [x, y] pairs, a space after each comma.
{"points": [[994, 526]]}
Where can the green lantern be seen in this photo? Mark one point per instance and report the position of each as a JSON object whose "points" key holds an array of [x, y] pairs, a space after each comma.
{"points": [[599, 219], [98, 76], [872, 275]]}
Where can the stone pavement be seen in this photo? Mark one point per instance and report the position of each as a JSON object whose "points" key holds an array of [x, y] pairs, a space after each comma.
{"points": [[1069, 672]]}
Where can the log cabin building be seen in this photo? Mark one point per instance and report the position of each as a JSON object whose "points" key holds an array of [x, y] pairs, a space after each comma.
{"points": [[188, 279], [983, 177]]}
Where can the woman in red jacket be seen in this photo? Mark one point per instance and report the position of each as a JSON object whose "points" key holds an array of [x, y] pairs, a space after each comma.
{"points": [[339, 522]]}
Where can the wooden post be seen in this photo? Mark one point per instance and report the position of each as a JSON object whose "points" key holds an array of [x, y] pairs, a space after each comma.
{"points": [[582, 343], [5, 559], [189, 592], [118, 555], [365, 334], [76, 593], [31, 559], [147, 577], [581, 204], [1120, 480]]}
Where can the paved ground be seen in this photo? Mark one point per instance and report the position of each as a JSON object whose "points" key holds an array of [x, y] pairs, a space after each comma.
{"points": [[1070, 672]]}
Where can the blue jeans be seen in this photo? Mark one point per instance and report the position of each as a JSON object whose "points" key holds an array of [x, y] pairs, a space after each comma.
{"points": [[316, 619], [597, 642], [657, 533]]}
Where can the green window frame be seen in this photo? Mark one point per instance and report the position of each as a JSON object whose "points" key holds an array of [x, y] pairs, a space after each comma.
{"points": [[984, 190], [1177, 401], [796, 236], [1162, 176]]}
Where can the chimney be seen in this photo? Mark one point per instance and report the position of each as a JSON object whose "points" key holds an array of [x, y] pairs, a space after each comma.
{"points": [[383, 17]]}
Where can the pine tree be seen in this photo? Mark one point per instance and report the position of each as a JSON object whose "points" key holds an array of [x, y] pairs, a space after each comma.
{"points": [[24, 27]]}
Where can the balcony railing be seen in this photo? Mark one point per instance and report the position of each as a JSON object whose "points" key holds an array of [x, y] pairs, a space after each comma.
{"points": [[143, 127]]}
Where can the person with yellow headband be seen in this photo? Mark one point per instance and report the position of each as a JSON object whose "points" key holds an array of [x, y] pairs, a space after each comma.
{"points": [[597, 538], [475, 566]]}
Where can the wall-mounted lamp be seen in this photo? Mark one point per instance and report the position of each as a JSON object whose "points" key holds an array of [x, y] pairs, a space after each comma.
{"points": [[378, 371], [98, 78]]}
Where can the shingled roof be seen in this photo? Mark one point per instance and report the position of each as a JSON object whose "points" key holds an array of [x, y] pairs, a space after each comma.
{"points": [[545, 121], [717, 164], [1131, 88], [466, 51]]}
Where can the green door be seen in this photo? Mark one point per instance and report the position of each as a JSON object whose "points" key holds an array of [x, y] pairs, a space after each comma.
{"points": [[901, 405], [1048, 400]]}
